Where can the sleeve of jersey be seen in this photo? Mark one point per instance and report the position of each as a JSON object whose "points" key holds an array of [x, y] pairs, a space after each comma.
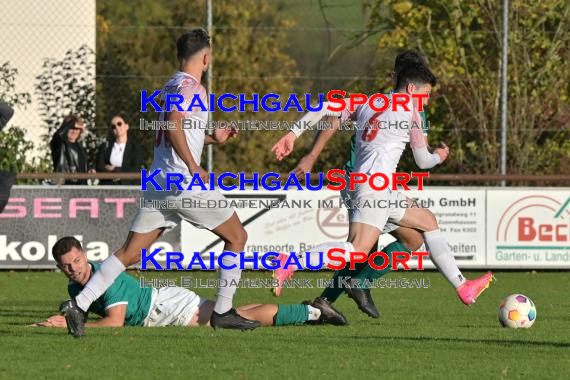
{"points": [[116, 294], [423, 158], [195, 100], [73, 289], [310, 119]]}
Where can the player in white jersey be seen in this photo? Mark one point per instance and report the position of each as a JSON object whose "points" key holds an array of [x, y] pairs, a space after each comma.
{"points": [[407, 239], [176, 150], [378, 150]]}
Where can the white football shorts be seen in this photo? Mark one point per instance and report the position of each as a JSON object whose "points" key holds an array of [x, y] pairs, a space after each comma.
{"points": [[173, 306], [374, 216], [200, 208]]}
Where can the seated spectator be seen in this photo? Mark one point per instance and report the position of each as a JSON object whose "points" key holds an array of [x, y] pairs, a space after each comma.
{"points": [[120, 153], [68, 156]]}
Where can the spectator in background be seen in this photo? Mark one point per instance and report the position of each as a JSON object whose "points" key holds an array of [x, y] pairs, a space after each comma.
{"points": [[68, 156], [120, 153]]}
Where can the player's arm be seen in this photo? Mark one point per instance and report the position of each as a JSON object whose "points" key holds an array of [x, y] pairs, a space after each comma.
{"points": [[177, 139], [221, 136], [423, 158], [306, 163], [114, 317], [285, 145]]}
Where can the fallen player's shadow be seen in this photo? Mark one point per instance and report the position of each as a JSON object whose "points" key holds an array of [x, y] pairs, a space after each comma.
{"points": [[463, 340]]}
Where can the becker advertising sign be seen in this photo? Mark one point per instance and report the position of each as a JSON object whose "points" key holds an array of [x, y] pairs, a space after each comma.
{"points": [[528, 229]]}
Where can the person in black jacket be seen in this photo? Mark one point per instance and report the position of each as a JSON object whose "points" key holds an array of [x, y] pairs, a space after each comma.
{"points": [[120, 153], [68, 156]]}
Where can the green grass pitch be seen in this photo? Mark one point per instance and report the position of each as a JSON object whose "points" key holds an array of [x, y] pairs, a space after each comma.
{"points": [[422, 333]]}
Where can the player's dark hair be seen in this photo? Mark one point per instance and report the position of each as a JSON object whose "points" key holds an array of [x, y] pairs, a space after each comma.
{"points": [[192, 42], [408, 57], [417, 74], [63, 246]]}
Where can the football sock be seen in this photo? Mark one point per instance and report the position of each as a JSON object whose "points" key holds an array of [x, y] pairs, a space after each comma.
{"points": [[332, 292], [442, 257], [363, 272], [101, 280], [371, 274], [226, 290], [314, 313], [295, 314]]}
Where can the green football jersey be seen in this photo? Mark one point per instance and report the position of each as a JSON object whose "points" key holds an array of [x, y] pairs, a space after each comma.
{"points": [[125, 290], [349, 165]]}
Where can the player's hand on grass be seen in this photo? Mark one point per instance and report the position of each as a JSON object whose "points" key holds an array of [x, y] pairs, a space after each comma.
{"points": [[304, 166], [443, 151], [53, 321], [284, 146]]}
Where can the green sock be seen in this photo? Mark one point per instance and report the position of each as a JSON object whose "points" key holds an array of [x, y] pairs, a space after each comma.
{"points": [[332, 293], [371, 274], [363, 271], [291, 314]]}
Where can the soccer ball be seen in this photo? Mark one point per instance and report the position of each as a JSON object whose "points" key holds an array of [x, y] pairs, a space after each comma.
{"points": [[517, 311]]}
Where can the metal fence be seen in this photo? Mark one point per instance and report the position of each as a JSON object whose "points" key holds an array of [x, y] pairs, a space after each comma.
{"points": [[304, 46]]}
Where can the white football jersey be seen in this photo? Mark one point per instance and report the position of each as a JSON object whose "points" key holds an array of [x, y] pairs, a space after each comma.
{"points": [[381, 137], [165, 158]]}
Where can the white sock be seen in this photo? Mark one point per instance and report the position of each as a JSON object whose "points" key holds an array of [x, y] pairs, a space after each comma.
{"points": [[101, 280], [442, 257], [314, 257], [226, 293], [314, 313]]}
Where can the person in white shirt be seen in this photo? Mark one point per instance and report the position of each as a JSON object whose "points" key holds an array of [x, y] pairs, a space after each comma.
{"points": [[120, 153]]}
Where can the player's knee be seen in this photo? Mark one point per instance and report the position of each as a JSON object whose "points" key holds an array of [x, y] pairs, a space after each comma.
{"points": [[361, 245], [412, 240], [242, 236], [238, 237], [430, 221]]}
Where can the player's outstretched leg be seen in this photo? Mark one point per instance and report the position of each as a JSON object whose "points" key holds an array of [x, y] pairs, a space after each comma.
{"points": [[224, 316], [292, 314], [442, 257], [130, 254]]}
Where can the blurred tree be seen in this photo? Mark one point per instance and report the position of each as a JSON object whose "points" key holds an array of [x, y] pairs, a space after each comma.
{"points": [[462, 42], [13, 144], [66, 87], [136, 50]]}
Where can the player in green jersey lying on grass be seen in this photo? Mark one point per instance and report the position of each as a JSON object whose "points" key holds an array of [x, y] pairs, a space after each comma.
{"points": [[126, 303]]}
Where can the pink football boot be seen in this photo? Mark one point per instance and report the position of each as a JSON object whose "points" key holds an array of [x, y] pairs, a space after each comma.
{"points": [[282, 274], [471, 289]]}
